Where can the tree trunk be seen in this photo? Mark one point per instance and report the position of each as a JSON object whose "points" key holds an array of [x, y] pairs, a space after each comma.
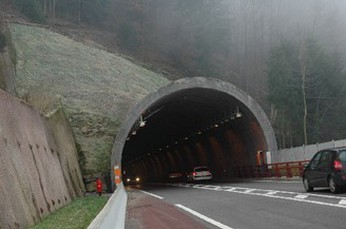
{"points": [[53, 16], [45, 8], [303, 75], [79, 11]]}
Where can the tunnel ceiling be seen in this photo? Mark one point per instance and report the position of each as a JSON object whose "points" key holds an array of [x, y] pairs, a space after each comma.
{"points": [[181, 115]]}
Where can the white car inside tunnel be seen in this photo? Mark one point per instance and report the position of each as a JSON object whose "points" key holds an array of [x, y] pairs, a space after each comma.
{"points": [[191, 122]]}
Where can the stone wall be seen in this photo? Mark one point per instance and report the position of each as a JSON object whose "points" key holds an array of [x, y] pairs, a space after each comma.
{"points": [[39, 170]]}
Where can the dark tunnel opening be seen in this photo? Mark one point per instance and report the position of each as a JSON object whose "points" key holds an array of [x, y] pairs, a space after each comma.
{"points": [[191, 127]]}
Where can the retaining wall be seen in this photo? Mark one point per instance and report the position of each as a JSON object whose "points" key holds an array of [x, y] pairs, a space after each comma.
{"points": [[303, 152], [39, 170]]}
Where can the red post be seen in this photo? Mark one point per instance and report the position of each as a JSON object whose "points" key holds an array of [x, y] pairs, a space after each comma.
{"points": [[289, 171], [301, 168], [277, 171]]}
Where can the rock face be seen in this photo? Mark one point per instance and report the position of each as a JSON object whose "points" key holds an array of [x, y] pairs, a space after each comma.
{"points": [[96, 88], [39, 169]]}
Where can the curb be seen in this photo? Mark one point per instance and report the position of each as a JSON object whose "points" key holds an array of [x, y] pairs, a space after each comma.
{"points": [[113, 213]]}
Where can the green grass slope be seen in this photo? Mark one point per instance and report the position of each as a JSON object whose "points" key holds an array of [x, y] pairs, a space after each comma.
{"points": [[97, 88]]}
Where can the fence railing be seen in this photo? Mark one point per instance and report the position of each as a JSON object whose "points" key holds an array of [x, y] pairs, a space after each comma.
{"points": [[283, 169]]}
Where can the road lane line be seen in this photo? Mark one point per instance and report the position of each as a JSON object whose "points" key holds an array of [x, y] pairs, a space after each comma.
{"points": [[271, 193], [301, 196], [208, 187], [151, 194], [294, 199], [275, 194], [203, 217], [342, 202]]}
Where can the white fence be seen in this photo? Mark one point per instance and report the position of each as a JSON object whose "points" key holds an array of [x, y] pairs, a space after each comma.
{"points": [[303, 152]]}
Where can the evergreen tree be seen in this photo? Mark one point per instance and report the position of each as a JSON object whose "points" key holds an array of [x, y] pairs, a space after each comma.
{"points": [[302, 76], [31, 9]]}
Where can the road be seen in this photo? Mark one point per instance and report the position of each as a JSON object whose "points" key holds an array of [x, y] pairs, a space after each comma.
{"points": [[255, 205]]}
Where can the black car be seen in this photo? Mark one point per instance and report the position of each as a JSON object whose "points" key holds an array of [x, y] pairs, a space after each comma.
{"points": [[327, 168]]}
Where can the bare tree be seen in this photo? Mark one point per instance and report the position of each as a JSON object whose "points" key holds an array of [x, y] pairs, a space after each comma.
{"points": [[303, 72]]}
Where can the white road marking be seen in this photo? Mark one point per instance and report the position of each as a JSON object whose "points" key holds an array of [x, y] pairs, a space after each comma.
{"points": [[271, 193], [203, 217], [151, 194], [343, 201], [208, 187], [301, 196]]}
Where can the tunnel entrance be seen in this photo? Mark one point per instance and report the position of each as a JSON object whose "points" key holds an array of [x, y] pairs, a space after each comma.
{"points": [[192, 122]]}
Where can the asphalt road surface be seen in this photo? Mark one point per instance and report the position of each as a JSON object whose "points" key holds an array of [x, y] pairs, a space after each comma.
{"points": [[241, 205]]}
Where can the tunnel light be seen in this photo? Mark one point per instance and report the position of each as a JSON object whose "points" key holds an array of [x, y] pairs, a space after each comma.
{"points": [[186, 138], [199, 132], [176, 143], [216, 125], [167, 146], [142, 123], [134, 132], [127, 139], [160, 149], [148, 154], [237, 113]]}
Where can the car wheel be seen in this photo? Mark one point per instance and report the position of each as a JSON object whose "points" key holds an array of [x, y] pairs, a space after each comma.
{"points": [[333, 187], [307, 185]]}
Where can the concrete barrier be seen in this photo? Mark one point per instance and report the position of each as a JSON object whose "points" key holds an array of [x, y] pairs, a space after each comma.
{"points": [[304, 152], [113, 214]]}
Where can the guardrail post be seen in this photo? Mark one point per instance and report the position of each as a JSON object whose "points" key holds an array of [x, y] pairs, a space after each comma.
{"points": [[277, 171], [288, 169], [301, 169]]}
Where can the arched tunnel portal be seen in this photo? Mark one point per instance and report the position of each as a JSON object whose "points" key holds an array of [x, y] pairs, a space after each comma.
{"points": [[191, 122]]}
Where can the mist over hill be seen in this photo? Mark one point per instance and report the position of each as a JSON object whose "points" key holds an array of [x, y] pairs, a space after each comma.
{"points": [[256, 45]]}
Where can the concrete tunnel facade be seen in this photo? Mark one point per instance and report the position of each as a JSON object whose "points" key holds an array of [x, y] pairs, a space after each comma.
{"points": [[192, 122]]}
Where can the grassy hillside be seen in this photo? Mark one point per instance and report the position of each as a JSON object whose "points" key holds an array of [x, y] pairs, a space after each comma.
{"points": [[97, 88]]}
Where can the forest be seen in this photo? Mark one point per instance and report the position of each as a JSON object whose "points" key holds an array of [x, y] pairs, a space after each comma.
{"points": [[289, 54]]}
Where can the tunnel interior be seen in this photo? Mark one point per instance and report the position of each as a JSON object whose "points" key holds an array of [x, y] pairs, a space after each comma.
{"points": [[192, 127]]}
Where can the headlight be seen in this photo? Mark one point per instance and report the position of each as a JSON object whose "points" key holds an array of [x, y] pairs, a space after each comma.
{"points": [[137, 179], [128, 179]]}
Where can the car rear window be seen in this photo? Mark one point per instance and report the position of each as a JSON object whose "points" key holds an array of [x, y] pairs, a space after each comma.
{"points": [[201, 169], [342, 156]]}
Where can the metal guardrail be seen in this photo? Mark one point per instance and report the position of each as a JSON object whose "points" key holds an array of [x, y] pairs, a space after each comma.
{"points": [[287, 169], [113, 214]]}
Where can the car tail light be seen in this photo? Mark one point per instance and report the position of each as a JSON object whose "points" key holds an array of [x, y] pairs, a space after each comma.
{"points": [[337, 165], [194, 174]]}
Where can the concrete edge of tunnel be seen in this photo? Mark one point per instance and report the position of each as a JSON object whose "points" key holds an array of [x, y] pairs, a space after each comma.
{"points": [[113, 213], [188, 84]]}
